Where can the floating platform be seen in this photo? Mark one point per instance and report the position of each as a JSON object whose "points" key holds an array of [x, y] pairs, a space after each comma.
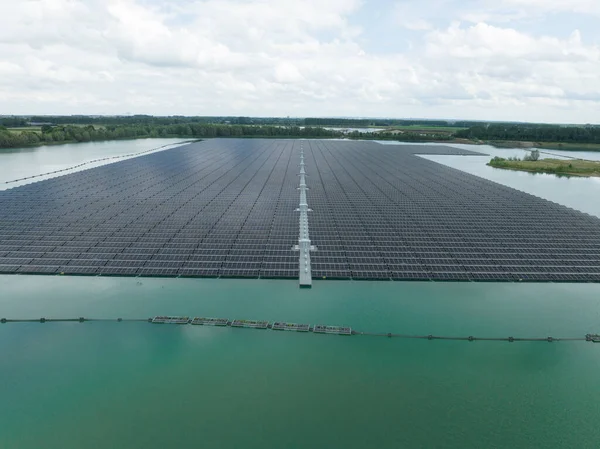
{"points": [[210, 321], [254, 324], [171, 320], [283, 326], [323, 329]]}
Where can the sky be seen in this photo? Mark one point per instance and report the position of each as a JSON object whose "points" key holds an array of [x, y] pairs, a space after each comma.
{"points": [[522, 60]]}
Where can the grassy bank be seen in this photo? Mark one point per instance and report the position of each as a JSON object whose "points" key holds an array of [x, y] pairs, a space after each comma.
{"points": [[570, 146], [573, 167], [574, 146]]}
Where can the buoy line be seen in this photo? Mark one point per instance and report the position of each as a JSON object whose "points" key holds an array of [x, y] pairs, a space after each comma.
{"points": [[295, 327], [94, 161]]}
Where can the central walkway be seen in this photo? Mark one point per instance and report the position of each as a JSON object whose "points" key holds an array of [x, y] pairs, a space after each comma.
{"points": [[304, 246]]}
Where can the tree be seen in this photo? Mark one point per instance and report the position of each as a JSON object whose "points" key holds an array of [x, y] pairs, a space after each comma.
{"points": [[534, 155]]}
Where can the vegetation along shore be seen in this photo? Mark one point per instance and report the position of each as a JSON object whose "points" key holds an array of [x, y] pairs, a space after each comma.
{"points": [[21, 131], [532, 164]]}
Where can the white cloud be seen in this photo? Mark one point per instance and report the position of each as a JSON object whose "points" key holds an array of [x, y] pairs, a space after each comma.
{"points": [[528, 11], [267, 57], [544, 6], [287, 73], [509, 68], [412, 16], [418, 24], [484, 41]]}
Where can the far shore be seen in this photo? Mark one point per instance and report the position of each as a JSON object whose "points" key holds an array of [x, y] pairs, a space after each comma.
{"points": [[561, 146], [570, 167], [508, 144]]}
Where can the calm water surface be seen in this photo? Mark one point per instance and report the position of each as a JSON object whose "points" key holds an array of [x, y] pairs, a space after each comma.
{"points": [[136, 385]]}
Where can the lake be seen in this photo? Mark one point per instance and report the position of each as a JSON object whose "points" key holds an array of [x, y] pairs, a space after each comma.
{"points": [[137, 385]]}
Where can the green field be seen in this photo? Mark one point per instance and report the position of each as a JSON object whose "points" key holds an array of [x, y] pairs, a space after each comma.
{"points": [[570, 146], [36, 129], [574, 167]]}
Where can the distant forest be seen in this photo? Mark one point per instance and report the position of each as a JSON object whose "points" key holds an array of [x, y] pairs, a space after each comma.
{"points": [[347, 122], [49, 134], [362, 123], [11, 122], [532, 133], [36, 130]]}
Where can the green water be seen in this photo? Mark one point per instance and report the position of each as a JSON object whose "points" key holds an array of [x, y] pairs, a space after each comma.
{"points": [[137, 385]]}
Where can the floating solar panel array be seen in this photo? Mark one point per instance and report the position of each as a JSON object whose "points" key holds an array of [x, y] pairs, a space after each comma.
{"points": [[227, 208], [220, 208]]}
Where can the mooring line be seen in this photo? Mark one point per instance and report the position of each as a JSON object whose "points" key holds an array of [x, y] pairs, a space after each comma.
{"points": [[286, 326]]}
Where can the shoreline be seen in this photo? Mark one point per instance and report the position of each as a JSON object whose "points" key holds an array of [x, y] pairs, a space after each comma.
{"points": [[544, 172], [508, 144], [576, 167], [528, 145]]}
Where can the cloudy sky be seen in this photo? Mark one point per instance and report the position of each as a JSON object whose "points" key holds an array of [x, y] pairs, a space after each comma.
{"points": [[530, 60]]}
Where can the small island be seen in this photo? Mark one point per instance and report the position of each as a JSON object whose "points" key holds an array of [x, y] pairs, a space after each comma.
{"points": [[532, 163]]}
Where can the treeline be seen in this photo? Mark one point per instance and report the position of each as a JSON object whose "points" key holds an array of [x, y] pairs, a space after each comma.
{"points": [[409, 122], [404, 137], [62, 129], [69, 133], [350, 123], [13, 122], [343, 122], [145, 120], [22, 121], [532, 133]]}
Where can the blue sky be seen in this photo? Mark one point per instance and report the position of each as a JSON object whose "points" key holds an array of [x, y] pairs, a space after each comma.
{"points": [[528, 60]]}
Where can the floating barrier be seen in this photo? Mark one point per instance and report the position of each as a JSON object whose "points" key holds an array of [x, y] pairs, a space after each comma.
{"points": [[211, 321], [254, 324], [594, 338], [286, 326], [323, 329], [171, 319], [283, 326]]}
